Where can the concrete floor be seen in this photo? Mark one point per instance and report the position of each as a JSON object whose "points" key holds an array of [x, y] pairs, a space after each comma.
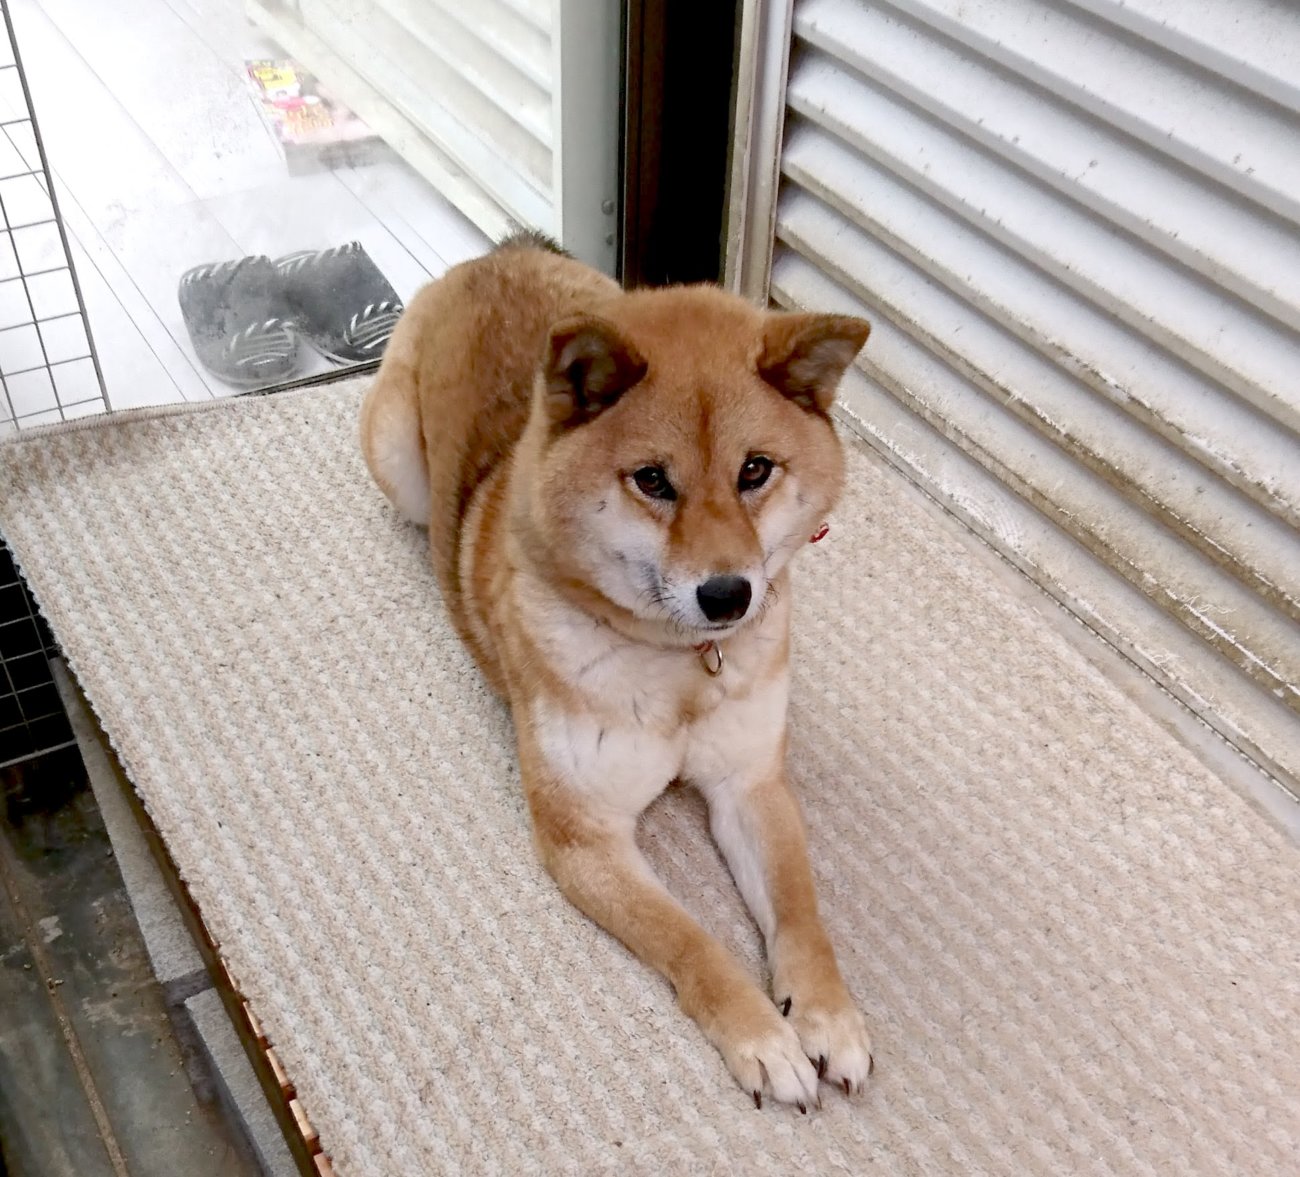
{"points": [[94, 1076]]}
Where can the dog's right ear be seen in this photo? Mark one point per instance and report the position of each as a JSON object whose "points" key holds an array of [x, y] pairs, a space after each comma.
{"points": [[588, 367]]}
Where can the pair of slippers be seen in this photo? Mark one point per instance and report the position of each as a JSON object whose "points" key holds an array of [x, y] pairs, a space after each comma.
{"points": [[246, 318]]}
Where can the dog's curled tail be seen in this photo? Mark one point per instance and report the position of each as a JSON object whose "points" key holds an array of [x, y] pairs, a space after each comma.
{"points": [[531, 239]]}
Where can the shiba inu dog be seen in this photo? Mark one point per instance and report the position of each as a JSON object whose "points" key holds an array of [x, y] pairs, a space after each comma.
{"points": [[613, 485]]}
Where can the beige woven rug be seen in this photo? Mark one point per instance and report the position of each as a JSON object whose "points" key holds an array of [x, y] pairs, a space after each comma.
{"points": [[1076, 948]]}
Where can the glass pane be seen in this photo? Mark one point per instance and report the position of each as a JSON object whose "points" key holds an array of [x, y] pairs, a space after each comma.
{"points": [[252, 190]]}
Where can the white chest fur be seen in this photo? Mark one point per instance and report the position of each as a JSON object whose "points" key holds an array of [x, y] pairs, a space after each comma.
{"points": [[633, 718]]}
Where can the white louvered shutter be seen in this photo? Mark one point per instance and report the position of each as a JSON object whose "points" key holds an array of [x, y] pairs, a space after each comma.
{"points": [[1075, 227]]}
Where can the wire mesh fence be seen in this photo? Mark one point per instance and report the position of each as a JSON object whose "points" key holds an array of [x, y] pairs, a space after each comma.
{"points": [[48, 372], [32, 719], [48, 368]]}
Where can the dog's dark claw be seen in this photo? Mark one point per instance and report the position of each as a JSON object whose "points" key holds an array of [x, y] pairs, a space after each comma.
{"points": [[871, 1064], [803, 1108], [758, 1100], [821, 1067], [785, 1007], [848, 1087]]}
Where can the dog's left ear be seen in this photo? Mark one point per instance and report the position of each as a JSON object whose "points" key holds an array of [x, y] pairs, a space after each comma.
{"points": [[804, 356], [588, 367]]}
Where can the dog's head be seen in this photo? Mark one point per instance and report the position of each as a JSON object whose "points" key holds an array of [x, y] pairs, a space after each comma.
{"points": [[685, 451]]}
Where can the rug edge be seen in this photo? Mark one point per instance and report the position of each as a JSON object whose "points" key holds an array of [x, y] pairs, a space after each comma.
{"points": [[146, 413]]}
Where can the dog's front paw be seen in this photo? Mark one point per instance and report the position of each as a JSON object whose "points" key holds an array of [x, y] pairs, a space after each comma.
{"points": [[831, 1032], [763, 1050]]}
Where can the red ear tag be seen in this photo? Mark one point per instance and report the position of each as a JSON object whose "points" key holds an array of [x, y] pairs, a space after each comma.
{"points": [[819, 534]]}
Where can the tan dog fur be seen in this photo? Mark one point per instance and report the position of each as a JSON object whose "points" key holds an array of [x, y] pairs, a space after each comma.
{"points": [[519, 398]]}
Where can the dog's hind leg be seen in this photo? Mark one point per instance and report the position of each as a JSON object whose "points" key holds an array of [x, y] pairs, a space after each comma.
{"points": [[391, 438]]}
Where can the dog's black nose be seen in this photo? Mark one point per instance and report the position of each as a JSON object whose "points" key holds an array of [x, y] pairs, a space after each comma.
{"points": [[724, 598]]}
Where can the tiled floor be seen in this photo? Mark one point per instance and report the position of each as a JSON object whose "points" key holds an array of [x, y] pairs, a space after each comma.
{"points": [[94, 1079], [162, 161]]}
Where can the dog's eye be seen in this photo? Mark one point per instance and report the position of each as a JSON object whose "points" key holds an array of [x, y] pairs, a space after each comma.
{"points": [[652, 482], [756, 471]]}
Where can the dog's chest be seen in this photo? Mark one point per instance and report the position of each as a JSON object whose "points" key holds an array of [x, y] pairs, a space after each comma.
{"points": [[631, 719], [660, 690]]}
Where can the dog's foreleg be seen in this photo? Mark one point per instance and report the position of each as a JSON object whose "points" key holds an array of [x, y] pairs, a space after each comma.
{"points": [[758, 827], [599, 867]]}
